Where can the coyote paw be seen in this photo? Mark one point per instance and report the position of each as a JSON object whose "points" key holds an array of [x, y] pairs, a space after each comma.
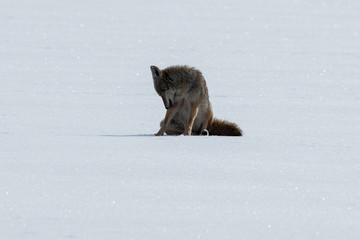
{"points": [[205, 132], [160, 132]]}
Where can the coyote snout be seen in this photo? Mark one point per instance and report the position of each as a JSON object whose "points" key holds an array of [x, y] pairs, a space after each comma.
{"points": [[185, 95], [169, 101], [171, 105]]}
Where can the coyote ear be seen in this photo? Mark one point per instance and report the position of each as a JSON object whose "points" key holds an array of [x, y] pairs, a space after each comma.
{"points": [[156, 72]]}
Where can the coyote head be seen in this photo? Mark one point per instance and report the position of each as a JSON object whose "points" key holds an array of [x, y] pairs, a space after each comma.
{"points": [[164, 86]]}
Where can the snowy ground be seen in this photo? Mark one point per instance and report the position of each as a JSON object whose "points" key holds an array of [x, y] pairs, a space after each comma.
{"points": [[77, 112]]}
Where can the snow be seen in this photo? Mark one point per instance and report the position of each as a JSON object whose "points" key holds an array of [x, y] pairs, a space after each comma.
{"points": [[78, 159]]}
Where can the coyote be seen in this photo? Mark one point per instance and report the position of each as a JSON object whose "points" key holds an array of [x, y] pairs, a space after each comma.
{"points": [[185, 95]]}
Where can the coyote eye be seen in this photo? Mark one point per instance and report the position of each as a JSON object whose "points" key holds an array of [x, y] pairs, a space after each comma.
{"points": [[164, 88]]}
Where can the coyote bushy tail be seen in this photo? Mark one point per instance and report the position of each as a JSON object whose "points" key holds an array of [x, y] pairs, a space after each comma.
{"points": [[224, 128]]}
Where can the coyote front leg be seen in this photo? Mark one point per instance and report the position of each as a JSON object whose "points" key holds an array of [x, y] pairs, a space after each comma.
{"points": [[193, 114], [169, 115]]}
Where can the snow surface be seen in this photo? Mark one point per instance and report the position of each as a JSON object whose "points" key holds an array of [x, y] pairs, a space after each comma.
{"points": [[77, 112]]}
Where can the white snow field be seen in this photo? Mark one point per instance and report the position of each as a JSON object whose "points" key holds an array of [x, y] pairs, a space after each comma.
{"points": [[78, 159]]}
